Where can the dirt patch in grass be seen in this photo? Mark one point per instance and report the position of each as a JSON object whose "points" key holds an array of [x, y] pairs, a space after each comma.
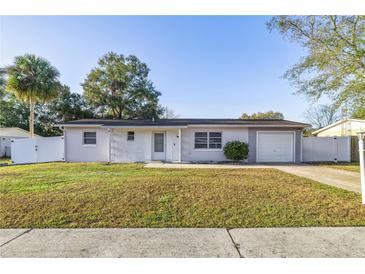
{"points": [[129, 195]]}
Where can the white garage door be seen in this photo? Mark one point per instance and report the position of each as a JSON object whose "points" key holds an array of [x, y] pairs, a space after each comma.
{"points": [[275, 147]]}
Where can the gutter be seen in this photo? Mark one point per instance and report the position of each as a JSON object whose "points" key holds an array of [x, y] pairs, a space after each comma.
{"points": [[162, 127], [187, 126], [78, 125]]}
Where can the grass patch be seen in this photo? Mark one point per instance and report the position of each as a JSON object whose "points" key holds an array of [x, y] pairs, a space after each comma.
{"points": [[355, 167], [129, 195], [4, 160]]}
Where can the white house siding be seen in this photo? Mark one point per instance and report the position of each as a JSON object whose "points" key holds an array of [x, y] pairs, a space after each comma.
{"points": [[76, 151], [123, 150], [190, 154], [346, 128], [140, 150]]}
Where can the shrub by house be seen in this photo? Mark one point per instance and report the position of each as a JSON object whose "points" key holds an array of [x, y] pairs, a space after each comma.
{"points": [[236, 150]]}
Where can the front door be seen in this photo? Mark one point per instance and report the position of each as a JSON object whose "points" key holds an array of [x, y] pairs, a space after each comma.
{"points": [[158, 152]]}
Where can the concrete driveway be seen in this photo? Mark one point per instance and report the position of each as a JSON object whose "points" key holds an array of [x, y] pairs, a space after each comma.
{"points": [[334, 177], [184, 242]]}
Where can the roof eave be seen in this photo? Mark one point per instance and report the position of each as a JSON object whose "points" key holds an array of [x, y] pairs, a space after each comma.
{"points": [[154, 126], [78, 125], [181, 126]]}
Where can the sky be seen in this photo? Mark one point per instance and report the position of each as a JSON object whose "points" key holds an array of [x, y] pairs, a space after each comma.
{"points": [[204, 66]]}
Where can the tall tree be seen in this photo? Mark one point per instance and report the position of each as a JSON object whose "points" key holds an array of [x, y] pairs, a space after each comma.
{"points": [[322, 115], [70, 106], [169, 113], [33, 80], [120, 88], [2, 82], [335, 60], [263, 115], [359, 109], [13, 113]]}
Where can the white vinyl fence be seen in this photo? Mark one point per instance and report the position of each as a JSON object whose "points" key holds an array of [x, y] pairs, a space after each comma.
{"points": [[326, 149], [37, 150]]}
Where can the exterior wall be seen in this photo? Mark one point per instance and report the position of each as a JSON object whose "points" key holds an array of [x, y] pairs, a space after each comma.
{"points": [[347, 128], [141, 149], [190, 154], [252, 139], [76, 151], [129, 151]]}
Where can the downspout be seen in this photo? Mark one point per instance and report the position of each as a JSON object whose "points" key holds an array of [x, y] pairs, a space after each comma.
{"points": [[110, 146], [180, 145], [301, 146], [64, 143], [31, 118]]}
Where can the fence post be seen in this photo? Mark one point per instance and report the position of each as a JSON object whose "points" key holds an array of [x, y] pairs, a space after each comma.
{"points": [[336, 149], [362, 164]]}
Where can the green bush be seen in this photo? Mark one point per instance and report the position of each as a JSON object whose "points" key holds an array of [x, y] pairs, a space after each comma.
{"points": [[236, 150]]}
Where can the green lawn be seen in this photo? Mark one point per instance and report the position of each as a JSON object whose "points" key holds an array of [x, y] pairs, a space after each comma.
{"points": [[99, 195], [5, 160]]}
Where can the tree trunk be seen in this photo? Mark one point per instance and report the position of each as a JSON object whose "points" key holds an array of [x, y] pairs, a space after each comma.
{"points": [[31, 118]]}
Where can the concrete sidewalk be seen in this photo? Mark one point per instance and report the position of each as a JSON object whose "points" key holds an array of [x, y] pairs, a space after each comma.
{"points": [[184, 242]]}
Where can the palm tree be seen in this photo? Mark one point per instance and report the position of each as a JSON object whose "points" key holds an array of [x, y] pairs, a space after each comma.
{"points": [[33, 80]]}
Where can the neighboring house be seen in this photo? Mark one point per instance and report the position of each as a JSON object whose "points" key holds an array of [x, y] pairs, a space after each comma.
{"points": [[180, 140], [8, 133], [347, 127]]}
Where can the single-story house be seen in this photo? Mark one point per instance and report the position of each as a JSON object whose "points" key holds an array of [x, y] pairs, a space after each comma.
{"points": [[180, 140], [346, 127], [8, 133]]}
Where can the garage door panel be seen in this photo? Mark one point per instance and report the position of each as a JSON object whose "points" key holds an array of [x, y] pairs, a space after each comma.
{"points": [[275, 147]]}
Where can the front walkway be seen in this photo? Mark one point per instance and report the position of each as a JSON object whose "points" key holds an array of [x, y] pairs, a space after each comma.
{"points": [[184, 242], [334, 177]]}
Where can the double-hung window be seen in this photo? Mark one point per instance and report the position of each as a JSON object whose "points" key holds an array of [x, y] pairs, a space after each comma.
{"points": [[215, 140], [208, 140], [90, 138], [201, 140]]}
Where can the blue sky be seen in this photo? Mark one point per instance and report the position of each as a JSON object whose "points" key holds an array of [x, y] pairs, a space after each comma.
{"points": [[204, 66]]}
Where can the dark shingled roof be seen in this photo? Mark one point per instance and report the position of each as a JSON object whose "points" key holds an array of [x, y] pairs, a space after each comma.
{"points": [[186, 122]]}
